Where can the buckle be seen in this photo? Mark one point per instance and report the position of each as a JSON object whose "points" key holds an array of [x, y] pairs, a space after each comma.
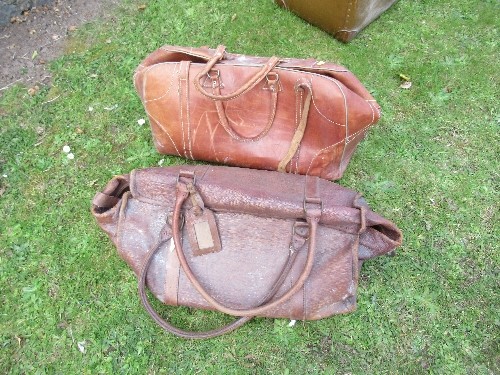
{"points": [[313, 207], [186, 174], [273, 82], [213, 79]]}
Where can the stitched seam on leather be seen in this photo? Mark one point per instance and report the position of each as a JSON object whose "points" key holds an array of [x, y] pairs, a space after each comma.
{"points": [[319, 152], [354, 135], [144, 80], [189, 121], [374, 108], [161, 126], [373, 114], [186, 51], [320, 113], [348, 13], [121, 218], [179, 91], [185, 85], [299, 99], [176, 72], [346, 123]]}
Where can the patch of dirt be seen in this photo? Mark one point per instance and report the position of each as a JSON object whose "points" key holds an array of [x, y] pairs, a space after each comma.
{"points": [[39, 35]]}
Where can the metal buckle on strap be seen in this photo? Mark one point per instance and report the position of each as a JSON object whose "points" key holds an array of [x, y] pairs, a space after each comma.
{"points": [[273, 82], [313, 207], [213, 79], [186, 174]]}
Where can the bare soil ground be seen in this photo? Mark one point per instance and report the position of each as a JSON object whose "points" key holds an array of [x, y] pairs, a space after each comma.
{"points": [[39, 35]]}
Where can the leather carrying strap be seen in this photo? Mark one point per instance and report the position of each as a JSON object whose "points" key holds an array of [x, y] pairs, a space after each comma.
{"points": [[252, 82], [299, 132], [164, 324], [273, 87], [312, 216], [298, 241]]}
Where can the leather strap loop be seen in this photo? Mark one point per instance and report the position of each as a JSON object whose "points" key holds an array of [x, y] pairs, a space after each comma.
{"points": [[312, 219], [219, 54], [299, 132]]}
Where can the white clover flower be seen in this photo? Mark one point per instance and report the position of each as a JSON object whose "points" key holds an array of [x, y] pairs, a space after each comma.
{"points": [[141, 121], [71, 156], [91, 109], [66, 149], [160, 163], [292, 323]]}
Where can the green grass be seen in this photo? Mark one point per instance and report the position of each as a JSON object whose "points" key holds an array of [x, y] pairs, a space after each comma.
{"points": [[430, 165]]}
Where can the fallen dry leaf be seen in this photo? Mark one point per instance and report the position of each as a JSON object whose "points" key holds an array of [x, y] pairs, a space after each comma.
{"points": [[72, 28], [404, 77], [141, 7], [33, 90], [234, 17]]}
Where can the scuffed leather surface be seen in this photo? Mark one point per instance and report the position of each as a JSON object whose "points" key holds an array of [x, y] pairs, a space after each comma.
{"points": [[255, 213], [184, 122], [342, 18]]}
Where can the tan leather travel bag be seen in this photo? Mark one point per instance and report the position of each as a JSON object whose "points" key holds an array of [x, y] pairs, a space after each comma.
{"points": [[243, 242], [290, 115], [344, 19]]}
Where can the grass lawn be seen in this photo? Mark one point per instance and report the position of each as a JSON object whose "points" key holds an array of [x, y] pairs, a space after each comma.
{"points": [[69, 304]]}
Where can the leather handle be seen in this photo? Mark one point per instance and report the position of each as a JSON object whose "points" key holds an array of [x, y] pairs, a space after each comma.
{"points": [[164, 324], [221, 112], [218, 55], [206, 334], [312, 218]]}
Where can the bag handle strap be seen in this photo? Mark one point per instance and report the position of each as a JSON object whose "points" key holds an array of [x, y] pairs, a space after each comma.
{"points": [[163, 323], [298, 241], [273, 86], [252, 82], [313, 214]]}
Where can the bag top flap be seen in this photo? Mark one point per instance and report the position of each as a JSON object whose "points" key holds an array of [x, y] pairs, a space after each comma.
{"points": [[271, 194], [203, 54]]}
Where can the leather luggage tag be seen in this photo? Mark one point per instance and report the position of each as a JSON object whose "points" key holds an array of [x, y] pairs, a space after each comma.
{"points": [[202, 231]]}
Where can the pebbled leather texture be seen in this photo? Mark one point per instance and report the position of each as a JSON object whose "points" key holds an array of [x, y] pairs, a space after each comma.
{"points": [[344, 19], [296, 116], [261, 216]]}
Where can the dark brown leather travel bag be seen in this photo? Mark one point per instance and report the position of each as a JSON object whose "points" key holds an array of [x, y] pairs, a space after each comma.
{"points": [[344, 19], [290, 115], [244, 242]]}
